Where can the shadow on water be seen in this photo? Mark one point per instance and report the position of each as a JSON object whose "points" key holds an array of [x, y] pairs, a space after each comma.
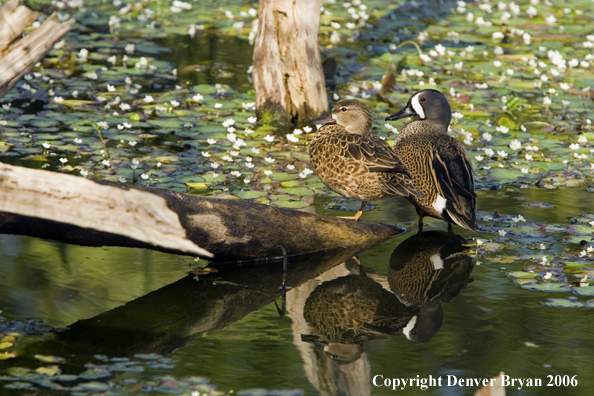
{"points": [[211, 59], [335, 318], [168, 318]]}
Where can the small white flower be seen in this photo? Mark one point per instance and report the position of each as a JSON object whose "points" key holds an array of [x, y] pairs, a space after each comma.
{"points": [[246, 180], [307, 129], [501, 153], [524, 170], [290, 167], [77, 140], [228, 122], [502, 233], [211, 141], [58, 99], [235, 173], [479, 158], [546, 101], [574, 146], [515, 144], [105, 162], [84, 173], [252, 120], [269, 160], [234, 153], [46, 145], [214, 165], [528, 157], [255, 150], [457, 115], [498, 36], [144, 176], [269, 138], [197, 97], [63, 160], [502, 129], [486, 136], [205, 154], [218, 105], [268, 172], [148, 99]]}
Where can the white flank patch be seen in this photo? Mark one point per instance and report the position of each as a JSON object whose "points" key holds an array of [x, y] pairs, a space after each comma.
{"points": [[411, 325], [439, 204], [417, 107], [437, 262]]}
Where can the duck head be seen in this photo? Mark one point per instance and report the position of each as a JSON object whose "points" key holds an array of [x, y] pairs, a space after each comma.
{"points": [[427, 104], [353, 115]]}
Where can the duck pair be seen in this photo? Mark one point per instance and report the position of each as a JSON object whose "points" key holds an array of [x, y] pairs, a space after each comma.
{"points": [[426, 165]]}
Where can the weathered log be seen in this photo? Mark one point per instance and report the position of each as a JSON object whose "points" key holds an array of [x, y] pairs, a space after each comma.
{"points": [[288, 74], [18, 59], [79, 211]]}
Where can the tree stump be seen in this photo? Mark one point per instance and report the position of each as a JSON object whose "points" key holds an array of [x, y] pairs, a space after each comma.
{"points": [[287, 67], [16, 59]]}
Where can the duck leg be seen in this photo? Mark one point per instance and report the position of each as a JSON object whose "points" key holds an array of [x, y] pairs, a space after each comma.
{"points": [[420, 224], [358, 214]]}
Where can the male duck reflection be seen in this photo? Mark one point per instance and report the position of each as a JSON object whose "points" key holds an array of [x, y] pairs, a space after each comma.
{"points": [[352, 162], [425, 271], [437, 163]]}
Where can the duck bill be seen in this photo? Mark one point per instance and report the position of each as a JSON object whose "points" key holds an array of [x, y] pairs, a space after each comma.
{"points": [[406, 112], [325, 119]]}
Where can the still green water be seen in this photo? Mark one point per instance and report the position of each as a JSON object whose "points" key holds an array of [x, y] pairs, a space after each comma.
{"points": [[493, 326]]}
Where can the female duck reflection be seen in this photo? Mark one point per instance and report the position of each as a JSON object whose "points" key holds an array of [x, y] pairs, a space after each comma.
{"points": [[425, 271]]}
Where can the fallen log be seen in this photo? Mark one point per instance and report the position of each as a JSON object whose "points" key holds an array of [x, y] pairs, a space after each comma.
{"points": [[83, 212], [17, 59]]}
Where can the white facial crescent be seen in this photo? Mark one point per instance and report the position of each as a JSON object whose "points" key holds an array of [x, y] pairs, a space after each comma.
{"points": [[416, 105]]}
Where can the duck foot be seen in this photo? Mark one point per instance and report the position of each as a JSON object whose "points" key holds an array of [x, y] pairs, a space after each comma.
{"points": [[357, 215]]}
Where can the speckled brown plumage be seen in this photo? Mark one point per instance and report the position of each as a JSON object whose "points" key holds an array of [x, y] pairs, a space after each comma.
{"points": [[347, 311], [353, 162], [423, 267], [437, 163]]}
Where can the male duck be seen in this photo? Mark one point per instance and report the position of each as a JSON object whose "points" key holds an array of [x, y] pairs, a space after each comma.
{"points": [[437, 163]]}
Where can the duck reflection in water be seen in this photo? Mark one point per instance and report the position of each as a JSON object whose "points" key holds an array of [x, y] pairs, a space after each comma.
{"points": [[425, 271], [347, 307]]}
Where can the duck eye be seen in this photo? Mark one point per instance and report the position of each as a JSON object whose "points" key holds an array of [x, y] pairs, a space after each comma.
{"points": [[422, 99], [343, 109]]}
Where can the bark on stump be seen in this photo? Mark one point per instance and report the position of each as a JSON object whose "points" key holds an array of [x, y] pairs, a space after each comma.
{"points": [[287, 72]]}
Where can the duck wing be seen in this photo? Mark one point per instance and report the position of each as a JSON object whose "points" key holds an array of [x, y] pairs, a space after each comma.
{"points": [[378, 156], [374, 153], [452, 176]]}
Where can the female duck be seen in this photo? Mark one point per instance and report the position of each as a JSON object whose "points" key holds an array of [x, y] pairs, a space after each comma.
{"points": [[353, 162]]}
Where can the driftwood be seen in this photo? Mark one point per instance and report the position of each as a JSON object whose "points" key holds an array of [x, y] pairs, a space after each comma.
{"points": [[17, 59], [288, 75], [79, 211]]}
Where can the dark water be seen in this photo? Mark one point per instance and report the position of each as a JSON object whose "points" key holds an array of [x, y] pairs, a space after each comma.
{"points": [[225, 326]]}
